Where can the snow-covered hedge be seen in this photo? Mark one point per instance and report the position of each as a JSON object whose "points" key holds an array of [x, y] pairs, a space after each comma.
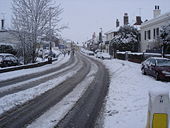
{"points": [[126, 39], [121, 56]]}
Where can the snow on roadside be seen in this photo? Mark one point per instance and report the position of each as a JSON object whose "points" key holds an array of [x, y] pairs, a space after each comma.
{"points": [[127, 99], [7, 88], [50, 118], [10, 101], [61, 60]]}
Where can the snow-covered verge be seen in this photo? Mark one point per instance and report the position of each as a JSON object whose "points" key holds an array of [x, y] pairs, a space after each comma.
{"points": [[50, 118], [61, 60], [13, 100], [127, 99]]}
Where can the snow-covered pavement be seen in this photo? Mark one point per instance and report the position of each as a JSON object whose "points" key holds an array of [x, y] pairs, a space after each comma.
{"points": [[127, 99], [61, 60]]}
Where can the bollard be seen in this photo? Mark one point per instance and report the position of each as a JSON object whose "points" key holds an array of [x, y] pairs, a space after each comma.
{"points": [[49, 59], [126, 55], [158, 109]]}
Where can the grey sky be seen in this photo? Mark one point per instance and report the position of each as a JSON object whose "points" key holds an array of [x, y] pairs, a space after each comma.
{"points": [[86, 16]]}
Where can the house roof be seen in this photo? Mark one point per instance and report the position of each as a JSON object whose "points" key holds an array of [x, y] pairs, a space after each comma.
{"points": [[159, 19]]}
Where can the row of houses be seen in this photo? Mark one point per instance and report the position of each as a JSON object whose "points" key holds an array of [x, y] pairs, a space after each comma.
{"points": [[149, 30]]}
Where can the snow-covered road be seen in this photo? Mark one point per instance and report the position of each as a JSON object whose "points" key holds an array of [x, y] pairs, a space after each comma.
{"points": [[127, 99], [13, 100], [50, 118]]}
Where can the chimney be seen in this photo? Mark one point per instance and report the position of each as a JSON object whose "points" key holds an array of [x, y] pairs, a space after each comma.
{"points": [[138, 20], [156, 12], [126, 19], [117, 23], [2, 24]]}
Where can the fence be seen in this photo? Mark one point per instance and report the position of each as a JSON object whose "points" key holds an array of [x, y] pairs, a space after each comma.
{"points": [[9, 69], [137, 57]]}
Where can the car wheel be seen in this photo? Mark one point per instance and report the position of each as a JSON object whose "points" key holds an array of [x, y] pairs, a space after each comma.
{"points": [[157, 77], [143, 71]]}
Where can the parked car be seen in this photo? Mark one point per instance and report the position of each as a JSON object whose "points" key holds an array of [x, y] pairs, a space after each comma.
{"points": [[157, 67], [103, 55], [7, 60], [98, 50], [98, 54], [90, 53]]}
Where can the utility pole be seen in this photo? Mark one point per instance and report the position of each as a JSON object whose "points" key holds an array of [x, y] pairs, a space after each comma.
{"points": [[50, 38], [3, 21], [100, 38], [50, 31]]}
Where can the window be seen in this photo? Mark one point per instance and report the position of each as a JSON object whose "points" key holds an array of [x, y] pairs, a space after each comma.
{"points": [[145, 35], [157, 32], [139, 37], [154, 33], [149, 34]]}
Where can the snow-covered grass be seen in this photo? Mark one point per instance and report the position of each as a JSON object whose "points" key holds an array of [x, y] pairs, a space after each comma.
{"points": [[13, 100], [50, 118], [127, 99], [9, 75]]}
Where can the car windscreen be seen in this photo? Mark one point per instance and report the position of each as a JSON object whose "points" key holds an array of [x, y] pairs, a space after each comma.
{"points": [[163, 62]]}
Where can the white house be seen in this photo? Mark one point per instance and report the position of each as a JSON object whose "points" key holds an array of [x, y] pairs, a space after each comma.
{"points": [[150, 30]]}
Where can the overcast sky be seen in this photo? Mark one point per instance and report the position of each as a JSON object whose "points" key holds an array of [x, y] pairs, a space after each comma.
{"points": [[84, 17]]}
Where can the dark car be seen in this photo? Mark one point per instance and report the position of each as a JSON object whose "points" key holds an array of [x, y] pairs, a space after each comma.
{"points": [[7, 60], [157, 67]]}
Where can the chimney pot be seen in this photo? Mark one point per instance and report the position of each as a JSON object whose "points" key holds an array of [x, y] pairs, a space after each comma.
{"points": [[117, 23], [138, 20], [156, 12], [126, 19]]}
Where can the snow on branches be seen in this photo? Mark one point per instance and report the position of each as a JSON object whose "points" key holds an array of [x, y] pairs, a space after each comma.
{"points": [[126, 38], [34, 18], [165, 33]]}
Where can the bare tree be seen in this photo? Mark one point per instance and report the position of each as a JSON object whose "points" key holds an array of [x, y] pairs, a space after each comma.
{"points": [[165, 39], [32, 19]]}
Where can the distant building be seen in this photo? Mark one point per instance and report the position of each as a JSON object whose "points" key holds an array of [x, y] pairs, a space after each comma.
{"points": [[110, 34], [150, 30], [7, 36]]}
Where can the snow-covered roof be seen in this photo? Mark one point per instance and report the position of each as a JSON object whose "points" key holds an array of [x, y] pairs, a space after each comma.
{"points": [[5, 43], [5, 54], [112, 30], [153, 21], [137, 27]]}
